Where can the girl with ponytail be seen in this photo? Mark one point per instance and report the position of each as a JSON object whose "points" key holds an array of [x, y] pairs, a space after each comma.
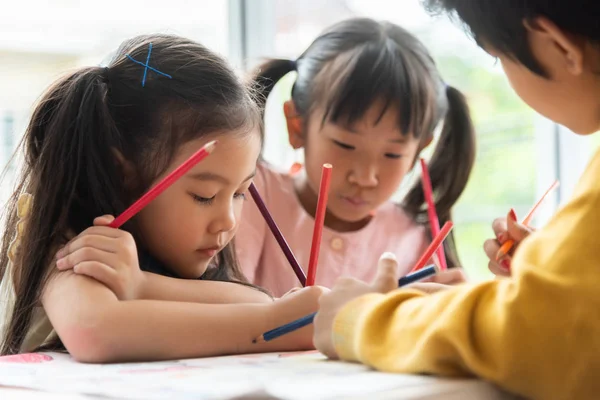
{"points": [[163, 286], [367, 99]]}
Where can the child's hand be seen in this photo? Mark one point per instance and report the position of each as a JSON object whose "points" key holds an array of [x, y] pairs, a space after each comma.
{"points": [[106, 254], [451, 276], [293, 305], [505, 229], [441, 281], [345, 290]]}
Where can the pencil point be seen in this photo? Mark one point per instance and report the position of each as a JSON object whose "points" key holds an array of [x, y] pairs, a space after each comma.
{"points": [[328, 166], [210, 146], [258, 340]]}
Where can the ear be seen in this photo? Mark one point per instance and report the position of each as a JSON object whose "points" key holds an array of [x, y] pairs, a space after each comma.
{"points": [[294, 125], [569, 46], [126, 167]]}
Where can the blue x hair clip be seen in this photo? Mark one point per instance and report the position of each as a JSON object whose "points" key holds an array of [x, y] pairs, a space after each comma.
{"points": [[147, 66]]}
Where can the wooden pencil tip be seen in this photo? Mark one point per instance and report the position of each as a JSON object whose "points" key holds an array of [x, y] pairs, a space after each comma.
{"points": [[210, 146], [258, 340], [327, 166]]}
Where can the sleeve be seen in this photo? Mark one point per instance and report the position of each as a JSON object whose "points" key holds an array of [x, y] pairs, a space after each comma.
{"points": [[250, 237], [535, 334]]}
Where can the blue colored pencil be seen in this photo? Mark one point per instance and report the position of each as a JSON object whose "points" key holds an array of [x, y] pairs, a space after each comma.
{"points": [[308, 319], [417, 276]]}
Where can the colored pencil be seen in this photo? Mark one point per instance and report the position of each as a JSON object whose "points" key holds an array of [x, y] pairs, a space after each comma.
{"points": [[308, 319], [508, 245], [287, 251], [151, 194], [421, 274], [434, 222], [437, 242], [319, 221]]}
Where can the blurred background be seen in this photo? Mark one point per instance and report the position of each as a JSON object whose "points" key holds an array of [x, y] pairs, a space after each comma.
{"points": [[519, 153]]}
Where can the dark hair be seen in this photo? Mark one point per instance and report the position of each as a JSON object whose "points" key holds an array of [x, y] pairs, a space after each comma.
{"points": [[70, 165], [500, 24], [358, 62]]}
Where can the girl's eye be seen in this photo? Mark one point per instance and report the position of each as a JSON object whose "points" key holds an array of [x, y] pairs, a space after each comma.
{"points": [[203, 200], [343, 145], [393, 156], [241, 196]]}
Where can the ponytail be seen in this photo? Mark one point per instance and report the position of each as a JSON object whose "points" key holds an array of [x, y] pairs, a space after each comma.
{"points": [[449, 168], [68, 140], [267, 75]]}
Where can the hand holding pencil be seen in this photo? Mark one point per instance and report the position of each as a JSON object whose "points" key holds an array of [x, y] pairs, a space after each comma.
{"points": [[510, 233], [505, 229], [346, 290]]}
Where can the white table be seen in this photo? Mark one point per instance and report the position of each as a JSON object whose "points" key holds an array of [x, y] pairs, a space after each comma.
{"points": [[286, 376]]}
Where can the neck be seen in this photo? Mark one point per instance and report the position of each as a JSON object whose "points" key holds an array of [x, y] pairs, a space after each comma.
{"points": [[308, 199]]}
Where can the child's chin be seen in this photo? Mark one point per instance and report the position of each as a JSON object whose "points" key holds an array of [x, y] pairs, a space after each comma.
{"points": [[196, 272], [351, 216]]}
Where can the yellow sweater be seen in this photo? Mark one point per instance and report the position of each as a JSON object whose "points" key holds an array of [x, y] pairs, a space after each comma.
{"points": [[536, 334]]}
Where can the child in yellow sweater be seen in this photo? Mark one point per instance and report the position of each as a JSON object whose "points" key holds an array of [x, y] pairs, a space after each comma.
{"points": [[536, 333]]}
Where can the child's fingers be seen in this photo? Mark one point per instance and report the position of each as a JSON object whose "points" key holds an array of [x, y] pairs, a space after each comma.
{"points": [[387, 274], [292, 290], [501, 266], [491, 247], [95, 241], [103, 220], [517, 231], [99, 271], [86, 254], [499, 270], [104, 231], [500, 229], [451, 276], [498, 267]]}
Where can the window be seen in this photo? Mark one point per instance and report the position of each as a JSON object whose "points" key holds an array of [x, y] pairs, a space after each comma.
{"points": [[39, 41]]}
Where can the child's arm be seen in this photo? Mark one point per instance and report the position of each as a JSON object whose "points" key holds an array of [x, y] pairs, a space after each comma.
{"points": [[535, 334], [96, 327], [158, 287]]}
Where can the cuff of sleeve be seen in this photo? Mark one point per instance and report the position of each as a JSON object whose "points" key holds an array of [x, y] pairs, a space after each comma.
{"points": [[347, 326]]}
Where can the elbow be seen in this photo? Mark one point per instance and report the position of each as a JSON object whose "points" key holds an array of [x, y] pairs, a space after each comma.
{"points": [[92, 342]]}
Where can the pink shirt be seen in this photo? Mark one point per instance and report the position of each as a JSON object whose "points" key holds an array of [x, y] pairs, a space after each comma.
{"points": [[352, 254]]}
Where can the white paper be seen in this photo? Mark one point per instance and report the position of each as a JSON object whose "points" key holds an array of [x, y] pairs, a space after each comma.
{"points": [[286, 376]]}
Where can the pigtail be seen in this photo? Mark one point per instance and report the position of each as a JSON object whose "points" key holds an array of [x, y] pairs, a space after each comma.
{"points": [[267, 75], [449, 167]]}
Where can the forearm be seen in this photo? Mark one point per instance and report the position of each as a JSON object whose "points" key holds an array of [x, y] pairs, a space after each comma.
{"points": [[158, 287], [100, 328], [157, 330]]}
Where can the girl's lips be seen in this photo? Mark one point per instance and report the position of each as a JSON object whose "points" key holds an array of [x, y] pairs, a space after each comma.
{"points": [[209, 252], [355, 201]]}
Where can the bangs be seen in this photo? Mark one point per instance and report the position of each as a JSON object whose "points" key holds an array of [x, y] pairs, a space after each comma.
{"points": [[379, 73]]}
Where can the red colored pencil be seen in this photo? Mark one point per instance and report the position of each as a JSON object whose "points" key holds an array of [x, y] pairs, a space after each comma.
{"points": [[287, 251], [319, 221], [164, 184], [505, 248], [434, 222], [435, 244]]}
